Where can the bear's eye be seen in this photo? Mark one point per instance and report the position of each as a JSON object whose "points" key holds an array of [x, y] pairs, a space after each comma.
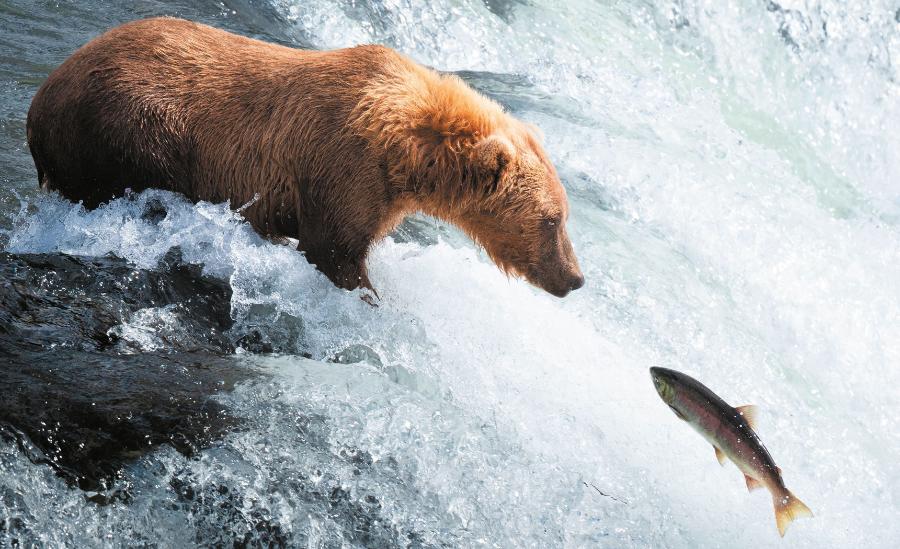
{"points": [[551, 222]]}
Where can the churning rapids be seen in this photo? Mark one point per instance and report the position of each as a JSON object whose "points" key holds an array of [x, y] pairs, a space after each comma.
{"points": [[171, 379]]}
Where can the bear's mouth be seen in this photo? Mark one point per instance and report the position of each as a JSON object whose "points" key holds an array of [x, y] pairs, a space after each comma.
{"points": [[557, 292], [558, 286]]}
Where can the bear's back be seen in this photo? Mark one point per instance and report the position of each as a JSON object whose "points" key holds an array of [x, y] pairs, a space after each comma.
{"points": [[194, 109]]}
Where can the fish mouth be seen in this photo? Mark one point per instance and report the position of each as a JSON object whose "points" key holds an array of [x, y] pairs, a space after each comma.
{"points": [[660, 376], [663, 382]]}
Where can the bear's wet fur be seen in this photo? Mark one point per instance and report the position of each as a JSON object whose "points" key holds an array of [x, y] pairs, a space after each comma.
{"points": [[339, 146]]}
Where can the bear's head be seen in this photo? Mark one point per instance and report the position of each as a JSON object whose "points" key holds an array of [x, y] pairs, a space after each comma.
{"points": [[452, 153], [517, 210]]}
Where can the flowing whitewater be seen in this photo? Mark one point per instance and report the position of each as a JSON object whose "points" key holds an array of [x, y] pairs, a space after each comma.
{"points": [[732, 169]]}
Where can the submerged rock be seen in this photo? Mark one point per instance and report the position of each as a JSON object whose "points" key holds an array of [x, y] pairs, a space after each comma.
{"points": [[55, 300], [83, 400]]}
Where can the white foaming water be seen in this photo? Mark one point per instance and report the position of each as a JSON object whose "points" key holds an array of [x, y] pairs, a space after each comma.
{"points": [[733, 172]]}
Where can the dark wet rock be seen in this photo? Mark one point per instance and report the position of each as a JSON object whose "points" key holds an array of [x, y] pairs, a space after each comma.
{"points": [[348, 512], [154, 211], [56, 300], [360, 459], [265, 329], [87, 414], [357, 353], [79, 401], [225, 518], [254, 341], [14, 522], [228, 518], [504, 9]]}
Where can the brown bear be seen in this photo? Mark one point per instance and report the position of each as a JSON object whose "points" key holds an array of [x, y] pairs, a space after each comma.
{"points": [[338, 145]]}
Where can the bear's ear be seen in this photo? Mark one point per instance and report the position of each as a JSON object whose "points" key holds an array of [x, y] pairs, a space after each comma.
{"points": [[492, 155]]}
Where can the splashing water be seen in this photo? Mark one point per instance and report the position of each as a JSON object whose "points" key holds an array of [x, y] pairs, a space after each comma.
{"points": [[732, 169]]}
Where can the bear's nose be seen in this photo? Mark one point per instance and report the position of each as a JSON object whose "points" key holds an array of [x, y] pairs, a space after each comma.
{"points": [[576, 282]]}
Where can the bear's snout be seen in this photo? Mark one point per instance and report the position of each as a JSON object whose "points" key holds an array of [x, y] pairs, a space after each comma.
{"points": [[576, 282], [570, 282], [558, 272]]}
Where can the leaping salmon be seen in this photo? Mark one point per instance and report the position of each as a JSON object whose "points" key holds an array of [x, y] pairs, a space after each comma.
{"points": [[730, 431]]}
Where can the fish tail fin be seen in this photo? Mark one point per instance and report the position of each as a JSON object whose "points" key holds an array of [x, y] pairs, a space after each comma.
{"points": [[787, 508]]}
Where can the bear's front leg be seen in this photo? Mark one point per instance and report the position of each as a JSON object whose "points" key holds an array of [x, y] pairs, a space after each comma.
{"points": [[344, 268], [352, 274]]}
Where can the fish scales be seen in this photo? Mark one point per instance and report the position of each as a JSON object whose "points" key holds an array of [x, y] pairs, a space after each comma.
{"points": [[730, 431]]}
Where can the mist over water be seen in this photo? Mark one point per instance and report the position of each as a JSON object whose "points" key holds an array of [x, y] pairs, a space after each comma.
{"points": [[734, 181]]}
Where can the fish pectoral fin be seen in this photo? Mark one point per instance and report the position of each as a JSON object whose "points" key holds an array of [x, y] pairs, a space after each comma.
{"points": [[677, 413], [720, 455], [748, 412], [752, 483]]}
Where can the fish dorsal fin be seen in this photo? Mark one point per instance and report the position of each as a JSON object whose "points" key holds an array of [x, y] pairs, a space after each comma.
{"points": [[752, 483], [748, 412], [720, 456]]}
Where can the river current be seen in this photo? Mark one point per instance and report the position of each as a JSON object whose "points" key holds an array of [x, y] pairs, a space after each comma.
{"points": [[733, 169]]}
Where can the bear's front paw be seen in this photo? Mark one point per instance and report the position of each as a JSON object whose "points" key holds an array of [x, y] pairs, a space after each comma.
{"points": [[369, 298]]}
